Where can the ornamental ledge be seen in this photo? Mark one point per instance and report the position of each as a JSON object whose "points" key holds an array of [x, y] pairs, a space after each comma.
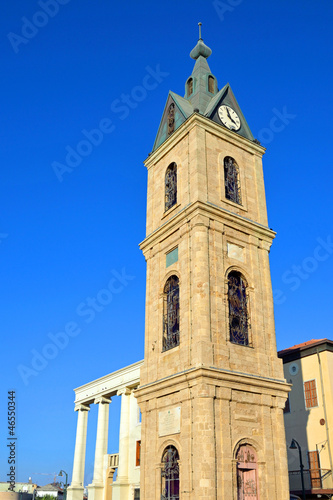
{"points": [[223, 215], [238, 381]]}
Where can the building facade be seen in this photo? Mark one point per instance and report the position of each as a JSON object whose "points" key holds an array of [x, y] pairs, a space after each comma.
{"points": [[308, 415], [212, 389], [29, 487], [52, 490], [21, 491]]}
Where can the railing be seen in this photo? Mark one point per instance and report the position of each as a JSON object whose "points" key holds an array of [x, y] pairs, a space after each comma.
{"points": [[113, 460], [313, 479]]}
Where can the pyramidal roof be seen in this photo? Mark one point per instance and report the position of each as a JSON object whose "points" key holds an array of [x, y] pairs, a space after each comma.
{"points": [[201, 96]]}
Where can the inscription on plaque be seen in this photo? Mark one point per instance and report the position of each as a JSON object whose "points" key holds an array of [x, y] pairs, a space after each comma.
{"points": [[169, 421], [235, 252]]}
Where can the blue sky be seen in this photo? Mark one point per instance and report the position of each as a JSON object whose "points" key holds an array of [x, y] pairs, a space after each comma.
{"points": [[63, 237]]}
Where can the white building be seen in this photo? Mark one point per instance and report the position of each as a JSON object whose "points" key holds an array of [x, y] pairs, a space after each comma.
{"points": [[99, 392], [52, 489]]}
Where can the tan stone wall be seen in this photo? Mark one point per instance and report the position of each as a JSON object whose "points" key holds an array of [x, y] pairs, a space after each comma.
{"points": [[215, 420], [228, 393], [202, 233], [199, 155]]}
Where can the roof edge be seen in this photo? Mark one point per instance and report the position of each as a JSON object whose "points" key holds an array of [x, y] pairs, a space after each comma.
{"points": [[305, 349]]}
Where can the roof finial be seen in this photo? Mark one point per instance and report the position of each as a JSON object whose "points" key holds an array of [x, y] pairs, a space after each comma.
{"points": [[200, 49]]}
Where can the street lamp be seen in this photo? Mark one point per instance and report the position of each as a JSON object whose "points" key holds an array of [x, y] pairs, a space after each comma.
{"points": [[294, 445], [61, 473]]}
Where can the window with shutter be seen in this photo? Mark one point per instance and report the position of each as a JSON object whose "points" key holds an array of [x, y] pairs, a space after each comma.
{"points": [[138, 452], [314, 469], [310, 393]]}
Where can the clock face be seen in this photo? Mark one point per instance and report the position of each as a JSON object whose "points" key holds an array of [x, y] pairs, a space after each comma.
{"points": [[229, 117]]}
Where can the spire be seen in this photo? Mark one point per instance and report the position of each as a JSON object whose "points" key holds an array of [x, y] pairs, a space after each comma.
{"points": [[200, 49], [202, 85]]}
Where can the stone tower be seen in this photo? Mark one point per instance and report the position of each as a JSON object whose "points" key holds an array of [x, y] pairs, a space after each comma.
{"points": [[212, 390]]}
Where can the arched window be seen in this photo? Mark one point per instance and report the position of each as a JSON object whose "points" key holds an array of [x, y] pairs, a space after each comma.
{"points": [[211, 84], [231, 180], [171, 313], [189, 87], [171, 118], [238, 316], [247, 473], [171, 186], [170, 474]]}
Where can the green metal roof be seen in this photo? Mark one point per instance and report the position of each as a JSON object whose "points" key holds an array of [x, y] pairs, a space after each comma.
{"points": [[201, 96], [198, 97]]}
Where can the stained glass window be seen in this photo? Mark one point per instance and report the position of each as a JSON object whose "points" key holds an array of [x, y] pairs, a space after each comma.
{"points": [[231, 180], [171, 313], [238, 316], [171, 118], [170, 474], [171, 186]]}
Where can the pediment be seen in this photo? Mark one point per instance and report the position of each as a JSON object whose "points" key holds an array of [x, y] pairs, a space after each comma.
{"points": [[183, 109], [226, 96]]}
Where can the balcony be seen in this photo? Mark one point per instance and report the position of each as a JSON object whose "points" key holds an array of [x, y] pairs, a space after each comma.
{"points": [[316, 482], [113, 461]]}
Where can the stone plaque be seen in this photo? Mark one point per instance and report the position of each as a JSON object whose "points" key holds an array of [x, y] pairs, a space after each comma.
{"points": [[235, 252], [171, 257], [169, 421]]}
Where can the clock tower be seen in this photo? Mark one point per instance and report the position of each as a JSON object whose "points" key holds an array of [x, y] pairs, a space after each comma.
{"points": [[212, 390]]}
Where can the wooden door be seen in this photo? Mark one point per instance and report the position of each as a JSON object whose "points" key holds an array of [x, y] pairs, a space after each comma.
{"points": [[247, 478], [314, 469], [247, 484]]}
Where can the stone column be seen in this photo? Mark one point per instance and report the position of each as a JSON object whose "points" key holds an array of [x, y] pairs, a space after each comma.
{"points": [[124, 433], [96, 488], [75, 491], [121, 485]]}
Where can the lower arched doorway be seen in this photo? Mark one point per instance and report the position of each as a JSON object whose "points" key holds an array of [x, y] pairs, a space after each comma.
{"points": [[247, 473]]}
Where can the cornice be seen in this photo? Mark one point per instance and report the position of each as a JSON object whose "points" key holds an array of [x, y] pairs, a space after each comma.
{"points": [[207, 209], [217, 377], [109, 384], [214, 128]]}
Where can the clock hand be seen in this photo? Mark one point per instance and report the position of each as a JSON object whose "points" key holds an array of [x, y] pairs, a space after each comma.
{"points": [[229, 115]]}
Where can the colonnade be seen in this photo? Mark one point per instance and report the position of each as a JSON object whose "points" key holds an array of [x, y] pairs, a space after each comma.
{"points": [[96, 488], [120, 383]]}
